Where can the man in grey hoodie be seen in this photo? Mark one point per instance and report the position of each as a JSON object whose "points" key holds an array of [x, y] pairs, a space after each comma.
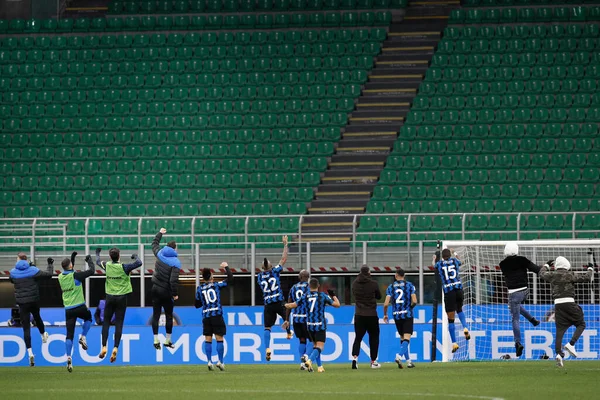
{"points": [[567, 313], [366, 293]]}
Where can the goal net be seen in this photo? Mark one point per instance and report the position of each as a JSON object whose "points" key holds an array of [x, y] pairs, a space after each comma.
{"points": [[486, 302]]}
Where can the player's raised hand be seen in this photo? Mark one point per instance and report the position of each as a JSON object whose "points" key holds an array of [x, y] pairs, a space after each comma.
{"points": [[550, 263], [386, 319], [224, 264], [163, 230], [175, 298], [285, 240], [433, 260]]}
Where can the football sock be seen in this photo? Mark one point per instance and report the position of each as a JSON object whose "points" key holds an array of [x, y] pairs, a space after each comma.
{"points": [[267, 338], [315, 353], [69, 345], [404, 349], [463, 320], [168, 337], [29, 352], [301, 349], [220, 350], [452, 330], [86, 327], [319, 360], [156, 339], [208, 350]]}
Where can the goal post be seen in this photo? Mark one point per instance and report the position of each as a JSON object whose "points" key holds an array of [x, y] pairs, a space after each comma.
{"points": [[486, 302]]}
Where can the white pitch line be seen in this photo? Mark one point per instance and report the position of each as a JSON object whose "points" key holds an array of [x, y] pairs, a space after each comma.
{"points": [[242, 391]]}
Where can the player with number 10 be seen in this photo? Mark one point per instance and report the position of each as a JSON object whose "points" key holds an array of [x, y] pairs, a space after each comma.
{"points": [[447, 268], [208, 296], [269, 282]]}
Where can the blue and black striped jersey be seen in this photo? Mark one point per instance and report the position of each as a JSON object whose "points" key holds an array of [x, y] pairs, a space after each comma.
{"points": [[270, 285], [315, 303], [296, 293], [448, 270], [400, 293], [210, 296]]}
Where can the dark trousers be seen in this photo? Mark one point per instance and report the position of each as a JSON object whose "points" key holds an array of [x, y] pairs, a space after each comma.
{"points": [[161, 300], [363, 325], [27, 310], [115, 305], [71, 316], [565, 316]]}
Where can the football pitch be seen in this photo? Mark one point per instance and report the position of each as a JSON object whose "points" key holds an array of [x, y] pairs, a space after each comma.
{"points": [[477, 380]]}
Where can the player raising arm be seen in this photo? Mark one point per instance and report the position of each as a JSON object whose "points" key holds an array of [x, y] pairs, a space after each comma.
{"points": [[315, 303], [296, 293], [454, 297], [165, 284], [118, 286], [269, 282], [402, 295], [74, 302], [567, 313], [208, 296]]}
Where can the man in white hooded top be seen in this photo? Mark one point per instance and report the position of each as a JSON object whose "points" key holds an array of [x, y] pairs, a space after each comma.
{"points": [[567, 313]]}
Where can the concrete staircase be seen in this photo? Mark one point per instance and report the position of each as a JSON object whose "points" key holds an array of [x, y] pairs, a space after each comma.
{"points": [[373, 127]]}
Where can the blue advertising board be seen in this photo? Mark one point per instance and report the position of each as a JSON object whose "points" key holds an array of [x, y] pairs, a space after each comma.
{"points": [[491, 338]]}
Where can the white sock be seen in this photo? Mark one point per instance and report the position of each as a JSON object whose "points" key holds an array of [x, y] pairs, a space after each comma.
{"points": [[30, 352], [168, 337], [156, 338]]}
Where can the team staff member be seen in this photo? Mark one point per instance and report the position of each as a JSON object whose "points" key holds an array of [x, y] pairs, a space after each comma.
{"points": [[165, 283], [366, 293], [118, 286], [26, 277]]}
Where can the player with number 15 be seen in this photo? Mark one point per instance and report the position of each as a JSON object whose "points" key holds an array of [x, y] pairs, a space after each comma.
{"points": [[208, 296], [454, 297]]}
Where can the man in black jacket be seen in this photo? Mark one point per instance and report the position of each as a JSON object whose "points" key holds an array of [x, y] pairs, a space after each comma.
{"points": [[514, 268], [165, 282], [366, 293], [26, 276]]}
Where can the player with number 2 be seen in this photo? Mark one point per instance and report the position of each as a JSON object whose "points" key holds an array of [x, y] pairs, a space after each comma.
{"points": [[402, 295], [208, 296], [454, 297], [269, 282]]}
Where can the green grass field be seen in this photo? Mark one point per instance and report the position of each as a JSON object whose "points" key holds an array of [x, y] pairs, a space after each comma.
{"points": [[496, 380]]}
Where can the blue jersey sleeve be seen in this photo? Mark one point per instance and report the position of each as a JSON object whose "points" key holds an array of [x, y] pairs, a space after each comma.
{"points": [[326, 299], [389, 291], [221, 284], [456, 262], [278, 269], [411, 289]]}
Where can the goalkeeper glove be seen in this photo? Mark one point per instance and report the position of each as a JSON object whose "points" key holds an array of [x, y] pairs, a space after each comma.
{"points": [[331, 292], [88, 258], [134, 256], [73, 255], [98, 250], [50, 260]]}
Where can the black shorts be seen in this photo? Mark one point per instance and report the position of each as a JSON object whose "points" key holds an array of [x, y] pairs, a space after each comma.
{"points": [[300, 330], [405, 326], [317, 336], [453, 300], [272, 310], [567, 315], [81, 312], [214, 326]]}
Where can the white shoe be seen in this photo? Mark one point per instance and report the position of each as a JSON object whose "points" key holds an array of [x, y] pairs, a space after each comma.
{"points": [[375, 365], [302, 367], [398, 361], [570, 349], [559, 361], [211, 367], [83, 342], [69, 364], [221, 366], [45, 337], [409, 364]]}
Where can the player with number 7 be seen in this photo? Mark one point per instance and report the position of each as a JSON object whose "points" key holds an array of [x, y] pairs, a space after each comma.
{"points": [[208, 297], [454, 297]]}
